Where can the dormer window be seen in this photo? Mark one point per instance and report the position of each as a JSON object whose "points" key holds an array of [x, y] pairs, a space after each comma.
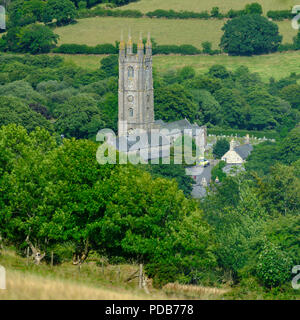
{"points": [[130, 72]]}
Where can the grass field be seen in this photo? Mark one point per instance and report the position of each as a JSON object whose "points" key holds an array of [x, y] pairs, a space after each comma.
{"points": [[276, 65], [65, 282], [93, 31], [201, 5]]}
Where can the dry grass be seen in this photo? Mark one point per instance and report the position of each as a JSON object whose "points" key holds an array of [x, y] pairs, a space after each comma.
{"points": [[65, 282], [195, 291], [93, 31], [201, 5], [27, 287]]}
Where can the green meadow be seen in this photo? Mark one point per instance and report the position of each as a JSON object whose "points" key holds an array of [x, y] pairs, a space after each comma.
{"points": [[97, 30], [275, 65], [201, 5]]}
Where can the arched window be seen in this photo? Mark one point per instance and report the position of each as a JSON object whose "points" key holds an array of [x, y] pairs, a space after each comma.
{"points": [[130, 72], [130, 112]]}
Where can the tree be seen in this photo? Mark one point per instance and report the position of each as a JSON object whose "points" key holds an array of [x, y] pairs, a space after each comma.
{"points": [[36, 38], [250, 34], [110, 65], [297, 41], [291, 93], [218, 71], [209, 109], [233, 107], [220, 148], [79, 117], [14, 110], [263, 156], [274, 266], [290, 146], [253, 8], [173, 171], [173, 103], [64, 11]]}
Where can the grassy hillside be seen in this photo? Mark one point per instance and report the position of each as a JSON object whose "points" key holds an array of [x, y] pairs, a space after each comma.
{"points": [[201, 5], [93, 31], [274, 65], [91, 283]]}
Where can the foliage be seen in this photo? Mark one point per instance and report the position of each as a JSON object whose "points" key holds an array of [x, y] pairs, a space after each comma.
{"points": [[274, 266], [63, 11], [248, 35], [36, 39], [220, 148], [174, 102]]}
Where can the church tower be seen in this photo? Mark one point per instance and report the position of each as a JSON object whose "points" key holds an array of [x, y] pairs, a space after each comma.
{"points": [[136, 99]]}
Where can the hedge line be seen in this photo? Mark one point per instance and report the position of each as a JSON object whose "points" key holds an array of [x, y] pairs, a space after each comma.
{"points": [[243, 133], [280, 15], [84, 49], [171, 14], [184, 49], [100, 12]]}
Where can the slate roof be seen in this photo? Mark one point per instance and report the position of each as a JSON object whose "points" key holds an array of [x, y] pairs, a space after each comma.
{"points": [[179, 126], [133, 143], [244, 150]]}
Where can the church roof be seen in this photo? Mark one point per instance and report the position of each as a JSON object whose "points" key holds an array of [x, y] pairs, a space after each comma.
{"points": [[137, 142], [179, 125]]}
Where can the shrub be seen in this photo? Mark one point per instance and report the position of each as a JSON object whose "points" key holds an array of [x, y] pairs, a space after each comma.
{"points": [[274, 266], [84, 49], [280, 15], [253, 8]]}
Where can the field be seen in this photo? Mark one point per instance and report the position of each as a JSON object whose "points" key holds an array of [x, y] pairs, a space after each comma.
{"points": [[65, 282], [276, 65], [201, 5], [97, 30]]}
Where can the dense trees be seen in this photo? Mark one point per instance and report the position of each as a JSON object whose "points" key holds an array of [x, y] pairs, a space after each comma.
{"points": [[250, 34], [220, 148], [65, 196]]}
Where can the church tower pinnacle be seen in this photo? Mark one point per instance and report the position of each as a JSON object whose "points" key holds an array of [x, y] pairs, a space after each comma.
{"points": [[136, 98]]}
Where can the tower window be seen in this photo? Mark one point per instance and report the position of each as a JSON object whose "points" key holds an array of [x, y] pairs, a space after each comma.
{"points": [[148, 98], [130, 112], [130, 72]]}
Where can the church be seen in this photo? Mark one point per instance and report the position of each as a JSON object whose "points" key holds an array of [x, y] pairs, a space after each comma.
{"points": [[136, 106]]}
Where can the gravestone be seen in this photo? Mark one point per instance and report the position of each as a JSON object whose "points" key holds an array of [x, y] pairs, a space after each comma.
{"points": [[2, 278], [2, 18]]}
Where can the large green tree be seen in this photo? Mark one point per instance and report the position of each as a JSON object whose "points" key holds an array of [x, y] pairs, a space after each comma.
{"points": [[250, 34]]}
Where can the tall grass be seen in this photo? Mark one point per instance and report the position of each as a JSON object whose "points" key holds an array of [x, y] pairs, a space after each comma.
{"points": [[67, 282]]}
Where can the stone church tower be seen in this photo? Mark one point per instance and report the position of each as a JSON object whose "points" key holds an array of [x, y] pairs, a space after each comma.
{"points": [[136, 100]]}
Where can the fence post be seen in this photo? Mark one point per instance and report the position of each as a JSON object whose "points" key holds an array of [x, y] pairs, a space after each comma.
{"points": [[51, 259], [27, 256], [141, 277]]}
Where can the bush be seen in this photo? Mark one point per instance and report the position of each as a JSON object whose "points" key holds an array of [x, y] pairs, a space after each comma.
{"points": [[253, 8], [274, 266], [280, 15], [84, 49], [171, 14], [250, 34]]}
